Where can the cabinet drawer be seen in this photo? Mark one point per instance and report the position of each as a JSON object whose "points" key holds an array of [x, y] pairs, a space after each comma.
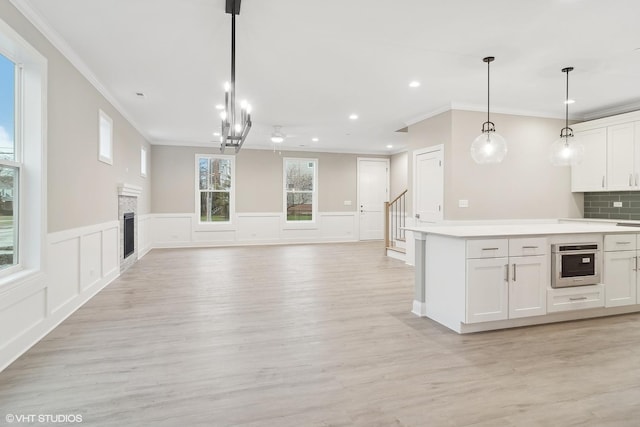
{"points": [[620, 242], [575, 298], [487, 248], [528, 246]]}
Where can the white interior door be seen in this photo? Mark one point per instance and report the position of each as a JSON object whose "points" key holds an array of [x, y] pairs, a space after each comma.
{"points": [[428, 185], [373, 191]]}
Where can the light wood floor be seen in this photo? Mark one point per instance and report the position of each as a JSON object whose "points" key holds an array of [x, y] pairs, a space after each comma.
{"points": [[312, 335]]}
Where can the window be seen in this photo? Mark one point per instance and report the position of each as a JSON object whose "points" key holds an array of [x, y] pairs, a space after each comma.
{"points": [[143, 161], [300, 189], [105, 139], [23, 166], [10, 165], [215, 188]]}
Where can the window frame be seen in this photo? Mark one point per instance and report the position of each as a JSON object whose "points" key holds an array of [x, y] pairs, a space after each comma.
{"points": [[144, 164], [31, 150], [198, 225], [304, 224], [16, 163], [106, 119]]}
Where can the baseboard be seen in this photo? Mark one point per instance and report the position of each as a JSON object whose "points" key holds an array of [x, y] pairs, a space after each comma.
{"points": [[419, 308]]}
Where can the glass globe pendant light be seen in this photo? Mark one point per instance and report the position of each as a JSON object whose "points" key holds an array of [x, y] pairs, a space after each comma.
{"points": [[565, 151], [489, 146]]}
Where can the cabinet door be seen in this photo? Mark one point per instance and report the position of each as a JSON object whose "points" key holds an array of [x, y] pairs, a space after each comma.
{"points": [[528, 286], [620, 157], [487, 290], [590, 175], [620, 271]]}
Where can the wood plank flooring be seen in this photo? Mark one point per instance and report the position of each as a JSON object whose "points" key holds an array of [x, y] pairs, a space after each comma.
{"points": [[312, 335]]}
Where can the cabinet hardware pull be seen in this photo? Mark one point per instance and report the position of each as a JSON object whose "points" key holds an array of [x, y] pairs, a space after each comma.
{"points": [[577, 299], [529, 247], [630, 180], [636, 179], [514, 272], [602, 181], [490, 249], [506, 272], [623, 243], [635, 268]]}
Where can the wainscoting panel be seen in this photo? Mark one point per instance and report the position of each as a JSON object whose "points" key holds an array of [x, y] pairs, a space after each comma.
{"points": [[63, 272], [338, 226], [91, 261], [79, 263], [171, 230], [176, 230], [144, 235], [254, 228]]}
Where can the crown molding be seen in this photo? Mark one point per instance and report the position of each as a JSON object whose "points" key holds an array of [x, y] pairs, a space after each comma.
{"points": [[26, 8], [620, 109]]}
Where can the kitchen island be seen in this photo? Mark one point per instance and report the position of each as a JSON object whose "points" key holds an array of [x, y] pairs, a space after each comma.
{"points": [[478, 277]]}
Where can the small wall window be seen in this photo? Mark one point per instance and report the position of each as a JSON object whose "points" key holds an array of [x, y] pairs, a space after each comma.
{"points": [[215, 188], [143, 161], [300, 190], [105, 140]]}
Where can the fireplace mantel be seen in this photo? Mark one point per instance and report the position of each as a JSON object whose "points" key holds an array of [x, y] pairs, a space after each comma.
{"points": [[129, 190]]}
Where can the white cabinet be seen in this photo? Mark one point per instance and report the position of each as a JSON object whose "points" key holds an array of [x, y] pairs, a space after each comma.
{"points": [[622, 169], [591, 173], [620, 270], [487, 289], [612, 154], [527, 286], [500, 287]]}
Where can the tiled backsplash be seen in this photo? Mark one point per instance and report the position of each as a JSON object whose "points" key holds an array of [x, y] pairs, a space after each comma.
{"points": [[600, 205]]}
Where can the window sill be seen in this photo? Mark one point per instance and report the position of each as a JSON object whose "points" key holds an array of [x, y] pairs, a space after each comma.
{"points": [[19, 278]]}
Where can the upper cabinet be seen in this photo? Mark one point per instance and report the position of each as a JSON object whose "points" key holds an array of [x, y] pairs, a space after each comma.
{"points": [[612, 154], [622, 170], [591, 173]]}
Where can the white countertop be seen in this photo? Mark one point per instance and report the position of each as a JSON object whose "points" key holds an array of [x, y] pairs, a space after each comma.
{"points": [[533, 229]]}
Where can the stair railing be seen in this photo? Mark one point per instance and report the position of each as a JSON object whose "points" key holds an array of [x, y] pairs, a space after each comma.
{"points": [[394, 220]]}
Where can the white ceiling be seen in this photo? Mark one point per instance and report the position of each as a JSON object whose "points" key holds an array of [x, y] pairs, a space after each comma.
{"points": [[307, 64]]}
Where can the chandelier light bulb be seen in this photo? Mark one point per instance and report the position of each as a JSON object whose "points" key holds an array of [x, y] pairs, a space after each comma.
{"points": [[223, 115], [227, 87], [238, 127]]}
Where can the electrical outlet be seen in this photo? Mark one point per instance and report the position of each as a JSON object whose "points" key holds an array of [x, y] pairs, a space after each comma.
{"points": [[617, 204]]}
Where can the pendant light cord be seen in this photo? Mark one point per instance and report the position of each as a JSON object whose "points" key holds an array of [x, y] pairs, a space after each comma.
{"points": [[488, 91], [566, 102]]}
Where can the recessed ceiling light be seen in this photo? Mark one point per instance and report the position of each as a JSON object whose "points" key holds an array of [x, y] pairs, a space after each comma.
{"points": [[315, 139], [353, 117], [389, 146], [219, 107], [414, 84]]}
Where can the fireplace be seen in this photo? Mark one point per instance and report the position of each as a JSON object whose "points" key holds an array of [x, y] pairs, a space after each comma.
{"points": [[129, 234]]}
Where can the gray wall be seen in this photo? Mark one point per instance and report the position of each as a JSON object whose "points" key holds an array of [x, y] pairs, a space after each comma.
{"points": [[525, 185], [81, 190], [399, 171], [259, 183]]}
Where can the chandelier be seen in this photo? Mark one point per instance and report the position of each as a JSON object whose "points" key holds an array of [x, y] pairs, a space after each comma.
{"points": [[235, 128]]}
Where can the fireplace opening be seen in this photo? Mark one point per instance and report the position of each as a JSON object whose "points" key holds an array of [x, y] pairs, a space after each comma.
{"points": [[129, 242]]}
